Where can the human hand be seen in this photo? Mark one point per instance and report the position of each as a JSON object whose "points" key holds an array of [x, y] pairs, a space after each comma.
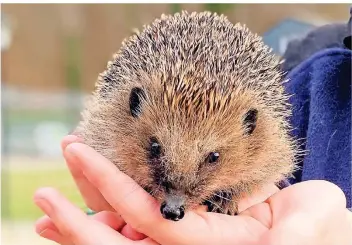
{"points": [[91, 195], [66, 224], [301, 212], [95, 201]]}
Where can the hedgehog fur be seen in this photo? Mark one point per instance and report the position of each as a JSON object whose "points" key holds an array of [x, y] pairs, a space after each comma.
{"points": [[199, 85]]}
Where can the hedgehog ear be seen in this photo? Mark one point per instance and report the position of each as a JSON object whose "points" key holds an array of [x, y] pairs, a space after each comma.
{"points": [[250, 121], [136, 96]]}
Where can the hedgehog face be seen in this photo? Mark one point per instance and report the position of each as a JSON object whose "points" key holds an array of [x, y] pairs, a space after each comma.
{"points": [[189, 147], [183, 161]]}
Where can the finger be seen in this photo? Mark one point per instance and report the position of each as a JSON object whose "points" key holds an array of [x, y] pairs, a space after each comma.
{"points": [[131, 233], [44, 223], [69, 139], [58, 238], [310, 207], [110, 219], [260, 212], [92, 197], [55, 236], [142, 212], [47, 229], [314, 196], [115, 221], [74, 224], [257, 197], [147, 241], [349, 217], [67, 218], [293, 199], [123, 194]]}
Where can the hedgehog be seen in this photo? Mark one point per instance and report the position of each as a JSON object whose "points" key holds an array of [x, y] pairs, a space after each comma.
{"points": [[193, 109]]}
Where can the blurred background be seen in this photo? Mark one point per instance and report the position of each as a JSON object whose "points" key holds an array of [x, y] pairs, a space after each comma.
{"points": [[51, 55]]}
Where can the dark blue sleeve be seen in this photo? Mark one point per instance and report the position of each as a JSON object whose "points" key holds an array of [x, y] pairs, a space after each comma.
{"points": [[321, 88]]}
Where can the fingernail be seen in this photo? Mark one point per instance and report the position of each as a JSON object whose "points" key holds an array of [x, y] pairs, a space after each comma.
{"points": [[71, 149], [41, 233], [40, 224], [43, 205], [69, 139], [51, 235]]}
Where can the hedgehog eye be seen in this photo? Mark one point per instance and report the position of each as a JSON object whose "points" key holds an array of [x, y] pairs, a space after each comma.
{"points": [[155, 148], [250, 121], [135, 101], [213, 157]]}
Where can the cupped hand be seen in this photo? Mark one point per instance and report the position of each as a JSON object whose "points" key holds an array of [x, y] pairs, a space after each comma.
{"points": [[66, 224], [96, 201], [312, 212], [106, 214], [91, 195]]}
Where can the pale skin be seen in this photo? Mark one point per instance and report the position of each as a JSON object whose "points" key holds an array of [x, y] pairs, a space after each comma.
{"points": [[312, 212]]}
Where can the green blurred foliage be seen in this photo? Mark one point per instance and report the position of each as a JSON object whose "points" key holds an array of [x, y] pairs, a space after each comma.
{"points": [[73, 55], [73, 74], [17, 194], [176, 8], [219, 8]]}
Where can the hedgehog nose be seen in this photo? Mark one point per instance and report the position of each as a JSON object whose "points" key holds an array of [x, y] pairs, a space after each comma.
{"points": [[173, 213]]}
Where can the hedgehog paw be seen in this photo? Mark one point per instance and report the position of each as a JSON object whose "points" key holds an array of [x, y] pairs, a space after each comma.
{"points": [[222, 202]]}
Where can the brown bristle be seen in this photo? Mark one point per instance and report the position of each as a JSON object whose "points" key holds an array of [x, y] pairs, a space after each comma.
{"points": [[201, 75], [208, 45]]}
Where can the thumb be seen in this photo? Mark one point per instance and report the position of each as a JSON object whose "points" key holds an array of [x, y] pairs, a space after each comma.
{"points": [[307, 211]]}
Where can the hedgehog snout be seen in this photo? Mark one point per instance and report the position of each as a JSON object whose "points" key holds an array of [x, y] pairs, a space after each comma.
{"points": [[173, 207]]}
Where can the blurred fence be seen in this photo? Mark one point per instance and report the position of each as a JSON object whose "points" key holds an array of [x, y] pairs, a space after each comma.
{"points": [[34, 122]]}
